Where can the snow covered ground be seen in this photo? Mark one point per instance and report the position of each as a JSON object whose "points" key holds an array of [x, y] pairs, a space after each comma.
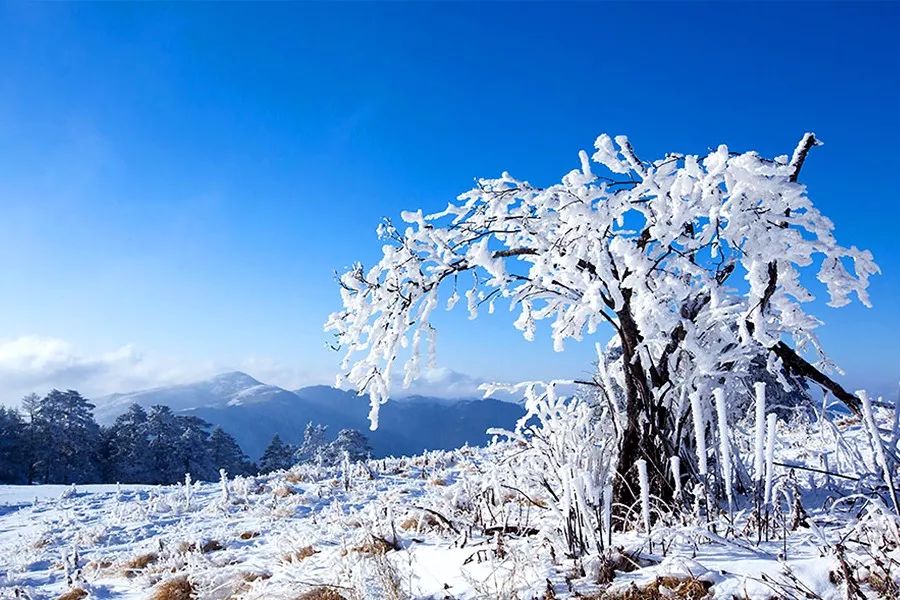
{"points": [[441, 525]]}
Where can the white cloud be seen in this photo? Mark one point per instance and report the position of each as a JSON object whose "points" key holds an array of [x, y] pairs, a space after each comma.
{"points": [[37, 364]]}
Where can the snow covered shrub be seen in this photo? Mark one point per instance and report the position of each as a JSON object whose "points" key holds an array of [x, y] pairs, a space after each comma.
{"points": [[565, 457]]}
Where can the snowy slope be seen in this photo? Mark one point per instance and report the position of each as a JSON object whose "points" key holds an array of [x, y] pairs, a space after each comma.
{"points": [[416, 527], [228, 389]]}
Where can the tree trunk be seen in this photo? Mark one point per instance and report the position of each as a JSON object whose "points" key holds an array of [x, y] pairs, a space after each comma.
{"points": [[640, 437]]}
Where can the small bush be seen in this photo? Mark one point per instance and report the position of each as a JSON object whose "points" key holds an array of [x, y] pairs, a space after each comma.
{"points": [[73, 594], [661, 588], [177, 588], [299, 554], [139, 563]]}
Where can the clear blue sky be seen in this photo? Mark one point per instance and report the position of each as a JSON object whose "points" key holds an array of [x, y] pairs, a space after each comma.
{"points": [[186, 177]]}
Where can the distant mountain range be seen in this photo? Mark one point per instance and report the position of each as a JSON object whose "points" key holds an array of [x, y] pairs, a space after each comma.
{"points": [[253, 412]]}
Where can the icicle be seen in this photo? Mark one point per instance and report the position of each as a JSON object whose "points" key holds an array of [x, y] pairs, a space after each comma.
{"points": [[607, 512], [675, 465], [645, 493], [760, 445], [699, 432], [878, 446], [770, 457], [724, 445]]}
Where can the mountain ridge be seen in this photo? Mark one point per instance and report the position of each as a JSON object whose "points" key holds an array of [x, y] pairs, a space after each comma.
{"points": [[253, 412]]}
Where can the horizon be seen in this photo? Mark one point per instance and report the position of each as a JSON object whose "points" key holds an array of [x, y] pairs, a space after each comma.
{"points": [[181, 182]]}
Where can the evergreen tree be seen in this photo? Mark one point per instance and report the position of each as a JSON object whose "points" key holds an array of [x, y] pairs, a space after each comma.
{"points": [[12, 447], [349, 442], [66, 438], [314, 442], [128, 448], [30, 405], [226, 454], [278, 455], [192, 449], [354, 443], [163, 435]]}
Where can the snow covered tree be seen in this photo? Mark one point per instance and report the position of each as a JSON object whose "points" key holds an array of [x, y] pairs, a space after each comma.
{"points": [[693, 267], [278, 455], [314, 441], [192, 449], [225, 453], [163, 435], [30, 405], [352, 442], [66, 438], [128, 448], [13, 468]]}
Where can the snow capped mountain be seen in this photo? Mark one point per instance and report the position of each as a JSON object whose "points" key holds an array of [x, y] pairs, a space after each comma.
{"points": [[253, 412], [228, 389]]}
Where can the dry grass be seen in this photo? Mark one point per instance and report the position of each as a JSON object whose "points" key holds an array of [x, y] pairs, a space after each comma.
{"points": [[376, 546], [292, 477], [73, 594], [283, 491], [321, 593], [661, 588], [251, 576], [437, 481], [299, 554], [177, 588], [428, 521], [138, 563], [41, 542]]}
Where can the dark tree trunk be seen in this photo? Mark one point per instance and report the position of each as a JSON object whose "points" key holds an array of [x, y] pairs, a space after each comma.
{"points": [[642, 437]]}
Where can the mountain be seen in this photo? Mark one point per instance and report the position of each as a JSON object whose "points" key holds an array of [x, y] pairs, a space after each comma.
{"points": [[227, 389], [253, 412]]}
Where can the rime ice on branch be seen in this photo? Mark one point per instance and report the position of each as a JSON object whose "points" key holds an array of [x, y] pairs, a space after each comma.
{"points": [[651, 252]]}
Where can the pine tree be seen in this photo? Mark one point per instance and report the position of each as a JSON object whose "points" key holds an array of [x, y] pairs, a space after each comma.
{"points": [[225, 453], [349, 442], [128, 453], [162, 437], [30, 405], [66, 438], [192, 449], [278, 455], [314, 442], [12, 446]]}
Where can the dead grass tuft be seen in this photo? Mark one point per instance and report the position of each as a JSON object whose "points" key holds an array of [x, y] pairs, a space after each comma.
{"points": [[292, 477], [299, 554], [428, 521], [177, 588], [321, 593], [283, 491], [251, 576], [376, 546], [73, 594], [661, 588], [131, 567]]}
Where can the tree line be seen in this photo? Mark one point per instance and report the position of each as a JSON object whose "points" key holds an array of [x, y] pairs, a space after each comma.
{"points": [[55, 439]]}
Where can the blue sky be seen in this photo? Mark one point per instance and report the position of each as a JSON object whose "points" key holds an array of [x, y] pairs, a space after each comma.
{"points": [[179, 181]]}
